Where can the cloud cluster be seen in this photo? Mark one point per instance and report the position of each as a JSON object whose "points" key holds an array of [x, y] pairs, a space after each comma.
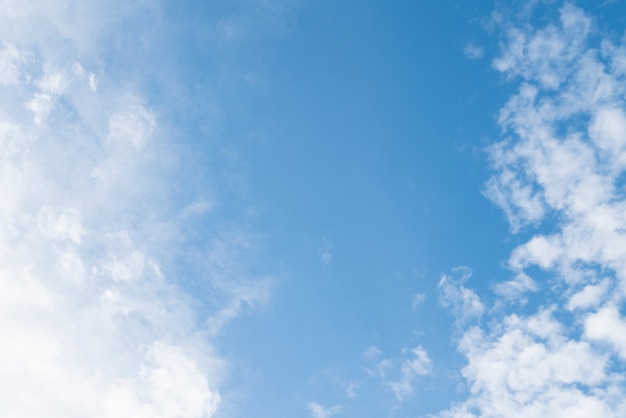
{"points": [[92, 321], [560, 168]]}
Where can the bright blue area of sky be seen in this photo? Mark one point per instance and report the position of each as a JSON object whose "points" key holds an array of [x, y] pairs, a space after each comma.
{"points": [[358, 127], [365, 133]]}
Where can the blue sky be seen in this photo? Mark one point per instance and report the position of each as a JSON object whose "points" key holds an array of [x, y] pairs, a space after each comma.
{"points": [[267, 208]]}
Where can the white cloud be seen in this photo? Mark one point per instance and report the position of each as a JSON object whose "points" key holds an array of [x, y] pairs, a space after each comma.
{"points": [[473, 51], [318, 411], [351, 389], [326, 252], [608, 130], [252, 295], [514, 290], [60, 224], [41, 105], [543, 55], [608, 325], [418, 299], [590, 296], [540, 250], [132, 125], [172, 383], [93, 321], [400, 374], [464, 303], [93, 82], [417, 364], [238, 292], [527, 367], [372, 353], [10, 62], [561, 167]]}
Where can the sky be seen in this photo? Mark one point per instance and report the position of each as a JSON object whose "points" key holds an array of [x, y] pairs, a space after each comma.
{"points": [[305, 208]]}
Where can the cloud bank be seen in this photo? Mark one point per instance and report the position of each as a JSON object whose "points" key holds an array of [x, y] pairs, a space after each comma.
{"points": [[559, 171], [91, 226]]}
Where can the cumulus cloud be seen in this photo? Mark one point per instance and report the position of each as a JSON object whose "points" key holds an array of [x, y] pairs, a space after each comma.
{"points": [[590, 296], [527, 367], [607, 325], [93, 320], [560, 166]]}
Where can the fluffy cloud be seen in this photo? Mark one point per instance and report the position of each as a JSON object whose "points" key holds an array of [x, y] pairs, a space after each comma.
{"points": [[527, 367], [561, 166], [93, 322]]}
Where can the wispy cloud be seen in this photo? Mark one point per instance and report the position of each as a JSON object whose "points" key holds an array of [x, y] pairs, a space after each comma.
{"points": [[418, 299], [371, 353], [561, 165], [473, 51], [318, 411], [326, 252], [417, 363], [400, 374], [463, 302]]}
